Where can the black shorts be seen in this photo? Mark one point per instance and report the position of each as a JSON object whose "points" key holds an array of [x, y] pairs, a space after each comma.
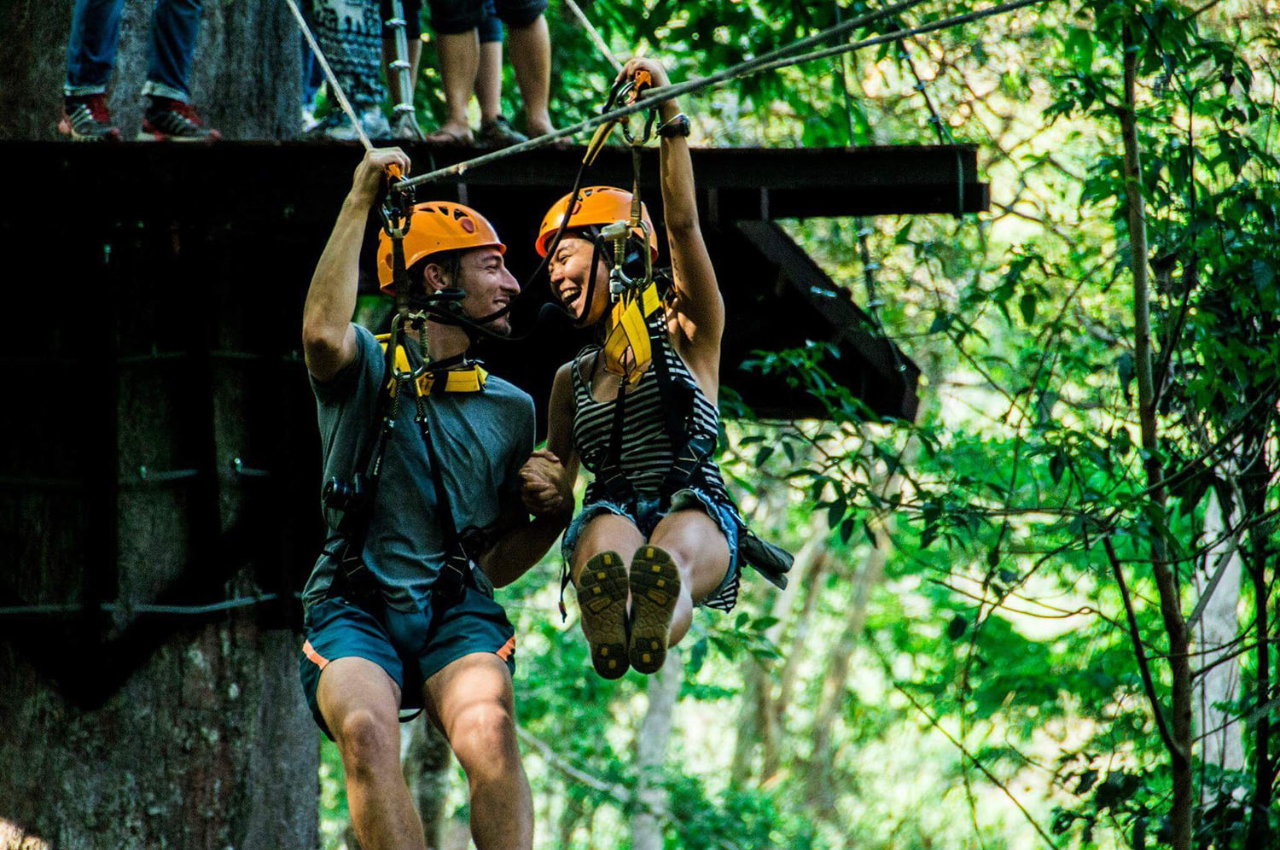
{"points": [[410, 646], [449, 17]]}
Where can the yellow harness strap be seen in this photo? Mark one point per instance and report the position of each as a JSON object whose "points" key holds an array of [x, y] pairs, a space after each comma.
{"points": [[469, 380], [629, 330]]}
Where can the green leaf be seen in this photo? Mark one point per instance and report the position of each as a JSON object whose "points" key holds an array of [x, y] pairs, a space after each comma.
{"points": [[1027, 305], [1263, 275], [1057, 465], [957, 627], [941, 322], [1124, 367], [697, 655]]}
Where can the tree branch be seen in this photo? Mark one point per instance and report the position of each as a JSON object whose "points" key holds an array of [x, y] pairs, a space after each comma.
{"points": [[1148, 684]]}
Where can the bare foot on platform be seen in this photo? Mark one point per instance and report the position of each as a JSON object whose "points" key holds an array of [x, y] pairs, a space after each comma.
{"points": [[452, 135]]}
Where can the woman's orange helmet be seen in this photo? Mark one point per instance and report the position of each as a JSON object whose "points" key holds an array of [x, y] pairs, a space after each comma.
{"points": [[596, 206], [437, 226]]}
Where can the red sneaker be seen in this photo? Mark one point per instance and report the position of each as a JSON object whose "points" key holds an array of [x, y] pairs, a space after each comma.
{"points": [[85, 119], [169, 120]]}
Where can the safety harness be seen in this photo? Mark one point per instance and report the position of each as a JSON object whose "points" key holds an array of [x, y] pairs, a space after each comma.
{"points": [[407, 371]]}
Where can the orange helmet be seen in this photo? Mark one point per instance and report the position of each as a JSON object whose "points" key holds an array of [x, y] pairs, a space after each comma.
{"points": [[597, 205], [437, 226]]}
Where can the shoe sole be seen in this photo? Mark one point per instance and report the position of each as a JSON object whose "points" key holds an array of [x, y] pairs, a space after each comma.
{"points": [[65, 129], [602, 601], [655, 588]]}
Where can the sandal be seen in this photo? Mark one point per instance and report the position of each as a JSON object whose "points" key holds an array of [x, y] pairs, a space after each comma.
{"points": [[451, 138], [499, 133]]}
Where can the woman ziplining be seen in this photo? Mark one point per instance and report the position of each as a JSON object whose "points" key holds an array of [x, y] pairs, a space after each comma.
{"points": [[658, 533]]}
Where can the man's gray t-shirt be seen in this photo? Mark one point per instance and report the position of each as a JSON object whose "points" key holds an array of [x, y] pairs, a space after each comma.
{"points": [[482, 440]]}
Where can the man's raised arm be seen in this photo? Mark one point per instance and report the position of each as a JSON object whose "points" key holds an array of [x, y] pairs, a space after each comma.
{"points": [[328, 339]]}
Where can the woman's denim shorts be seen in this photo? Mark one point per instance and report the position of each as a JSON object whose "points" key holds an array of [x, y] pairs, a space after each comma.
{"points": [[646, 517]]}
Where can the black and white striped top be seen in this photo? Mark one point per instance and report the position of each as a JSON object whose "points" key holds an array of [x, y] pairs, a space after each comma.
{"points": [[647, 454]]}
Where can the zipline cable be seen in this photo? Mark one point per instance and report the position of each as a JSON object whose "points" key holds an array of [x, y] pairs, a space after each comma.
{"points": [[742, 69], [329, 75], [896, 35], [768, 62]]}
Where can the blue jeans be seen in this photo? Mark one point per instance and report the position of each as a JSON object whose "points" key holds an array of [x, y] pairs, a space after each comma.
{"points": [[95, 34]]}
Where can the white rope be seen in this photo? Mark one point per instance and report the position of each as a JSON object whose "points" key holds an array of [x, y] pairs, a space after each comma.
{"points": [[329, 75], [594, 35]]}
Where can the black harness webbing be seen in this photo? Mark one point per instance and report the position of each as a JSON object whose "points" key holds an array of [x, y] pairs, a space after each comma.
{"points": [[352, 579], [356, 497]]}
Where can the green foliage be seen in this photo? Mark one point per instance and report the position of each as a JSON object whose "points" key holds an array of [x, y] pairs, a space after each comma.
{"points": [[952, 577]]}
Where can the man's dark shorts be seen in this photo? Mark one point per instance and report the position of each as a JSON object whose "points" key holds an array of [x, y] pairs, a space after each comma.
{"points": [[411, 647], [449, 17]]}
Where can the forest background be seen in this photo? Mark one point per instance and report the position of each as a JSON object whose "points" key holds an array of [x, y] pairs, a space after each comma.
{"points": [[1043, 614]]}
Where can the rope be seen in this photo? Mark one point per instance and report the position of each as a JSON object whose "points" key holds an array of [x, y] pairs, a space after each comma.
{"points": [[329, 75], [768, 62], [640, 104], [594, 35], [142, 608]]}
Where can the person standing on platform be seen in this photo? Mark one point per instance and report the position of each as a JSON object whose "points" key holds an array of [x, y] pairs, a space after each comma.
{"points": [[350, 34], [469, 41], [91, 54]]}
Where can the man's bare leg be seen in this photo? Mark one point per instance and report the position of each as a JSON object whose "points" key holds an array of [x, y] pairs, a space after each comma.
{"points": [[472, 701], [360, 704], [531, 58], [459, 61], [489, 81]]}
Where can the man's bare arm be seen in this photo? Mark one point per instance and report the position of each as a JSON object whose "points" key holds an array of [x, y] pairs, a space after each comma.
{"points": [[328, 339]]}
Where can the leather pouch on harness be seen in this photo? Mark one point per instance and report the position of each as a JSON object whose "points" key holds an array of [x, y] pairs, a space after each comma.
{"points": [[772, 562]]}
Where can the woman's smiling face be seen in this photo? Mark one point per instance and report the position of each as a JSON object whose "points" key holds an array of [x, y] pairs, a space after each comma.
{"points": [[570, 269]]}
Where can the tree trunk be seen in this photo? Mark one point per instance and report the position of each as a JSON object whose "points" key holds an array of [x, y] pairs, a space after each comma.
{"points": [[760, 715], [818, 769], [1222, 741], [1254, 481], [427, 760], [182, 726], [651, 754], [208, 746], [1180, 743], [245, 79]]}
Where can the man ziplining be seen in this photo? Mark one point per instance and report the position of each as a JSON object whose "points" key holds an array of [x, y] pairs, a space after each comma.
{"points": [[422, 452]]}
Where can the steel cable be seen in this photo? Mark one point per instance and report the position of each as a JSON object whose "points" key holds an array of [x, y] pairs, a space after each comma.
{"points": [[768, 62]]}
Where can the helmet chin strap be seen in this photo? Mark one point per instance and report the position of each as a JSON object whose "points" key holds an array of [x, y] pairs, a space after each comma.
{"points": [[596, 243]]}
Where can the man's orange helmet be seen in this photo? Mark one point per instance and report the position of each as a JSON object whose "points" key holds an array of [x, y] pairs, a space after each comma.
{"points": [[437, 226], [596, 206]]}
